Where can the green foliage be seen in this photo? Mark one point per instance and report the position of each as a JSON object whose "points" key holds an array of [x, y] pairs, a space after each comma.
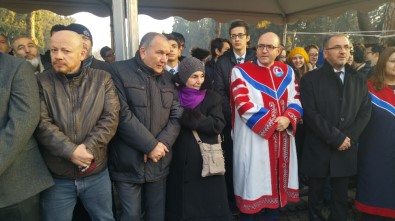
{"points": [[200, 33], [14, 25]]}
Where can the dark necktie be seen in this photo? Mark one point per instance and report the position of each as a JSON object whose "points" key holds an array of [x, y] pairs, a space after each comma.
{"points": [[172, 71], [340, 75], [239, 60]]}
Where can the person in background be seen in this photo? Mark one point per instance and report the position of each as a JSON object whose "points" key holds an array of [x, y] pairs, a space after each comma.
{"points": [[25, 48], [312, 51], [79, 116], [282, 57], [181, 39], [107, 54], [238, 54], [23, 173], [5, 45], [190, 196], [140, 153], [372, 55], [360, 64], [265, 113], [200, 53], [376, 164], [172, 60], [336, 107], [299, 61], [218, 46]]}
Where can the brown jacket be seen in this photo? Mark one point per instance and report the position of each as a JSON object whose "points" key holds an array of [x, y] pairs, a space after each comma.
{"points": [[81, 110]]}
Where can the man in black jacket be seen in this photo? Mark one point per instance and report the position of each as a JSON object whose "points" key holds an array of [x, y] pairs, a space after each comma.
{"points": [[140, 153], [239, 53], [336, 107]]}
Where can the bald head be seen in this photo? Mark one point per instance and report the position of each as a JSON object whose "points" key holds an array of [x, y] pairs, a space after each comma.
{"points": [[268, 48], [66, 51]]}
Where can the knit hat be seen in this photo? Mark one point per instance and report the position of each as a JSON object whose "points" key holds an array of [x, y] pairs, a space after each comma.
{"points": [[298, 50], [80, 29], [187, 67]]}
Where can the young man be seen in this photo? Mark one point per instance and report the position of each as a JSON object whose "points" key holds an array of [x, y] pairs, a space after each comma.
{"points": [[175, 52], [239, 38], [336, 107]]}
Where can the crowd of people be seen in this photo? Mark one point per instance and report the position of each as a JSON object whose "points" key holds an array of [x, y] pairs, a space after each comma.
{"points": [[84, 139]]}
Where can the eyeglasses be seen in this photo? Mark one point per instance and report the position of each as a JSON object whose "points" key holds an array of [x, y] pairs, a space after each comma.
{"points": [[313, 55], [261, 47], [340, 48], [240, 36], [369, 52]]}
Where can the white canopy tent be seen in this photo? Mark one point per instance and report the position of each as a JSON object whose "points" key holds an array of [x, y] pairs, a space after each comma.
{"points": [[124, 12]]}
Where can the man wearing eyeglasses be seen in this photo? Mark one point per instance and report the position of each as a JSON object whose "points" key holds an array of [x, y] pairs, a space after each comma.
{"points": [[266, 110], [239, 53], [336, 108]]}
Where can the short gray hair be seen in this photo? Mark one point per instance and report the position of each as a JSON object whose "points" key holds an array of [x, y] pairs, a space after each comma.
{"points": [[148, 38]]}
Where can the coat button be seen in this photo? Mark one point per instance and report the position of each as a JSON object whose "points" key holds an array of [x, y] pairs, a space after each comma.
{"points": [[342, 119]]}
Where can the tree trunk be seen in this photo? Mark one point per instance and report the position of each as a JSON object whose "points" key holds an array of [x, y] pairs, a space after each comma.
{"points": [[30, 25], [365, 25], [218, 26]]}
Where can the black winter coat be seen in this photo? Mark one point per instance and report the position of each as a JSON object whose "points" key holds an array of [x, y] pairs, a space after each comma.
{"points": [[190, 196], [223, 67], [149, 114], [332, 111]]}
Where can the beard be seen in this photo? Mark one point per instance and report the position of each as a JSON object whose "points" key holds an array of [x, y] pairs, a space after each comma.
{"points": [[34, 61]]}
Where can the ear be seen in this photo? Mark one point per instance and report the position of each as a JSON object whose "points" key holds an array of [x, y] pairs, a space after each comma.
{"points": [[142, 52], [83, 54], [248, 38], [217, 52]]}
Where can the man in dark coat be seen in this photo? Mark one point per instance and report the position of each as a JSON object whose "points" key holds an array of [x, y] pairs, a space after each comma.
{"points": [[140, 153], [336, 108], [239, 38], [23, 173]]}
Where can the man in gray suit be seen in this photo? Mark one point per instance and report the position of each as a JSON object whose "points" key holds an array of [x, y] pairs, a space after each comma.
{"points": [[23, 174]]}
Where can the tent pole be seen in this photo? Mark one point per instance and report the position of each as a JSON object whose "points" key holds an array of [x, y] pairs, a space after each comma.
{"points": [[120, 46], [132, 6]]}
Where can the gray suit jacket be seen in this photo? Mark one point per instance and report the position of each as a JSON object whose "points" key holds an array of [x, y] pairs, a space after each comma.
{"points": [[23, 172]]}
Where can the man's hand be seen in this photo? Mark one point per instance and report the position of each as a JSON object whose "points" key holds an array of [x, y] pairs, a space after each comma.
{"points": [[158, 152], [82, 156], [345, 145], [282, 123]]}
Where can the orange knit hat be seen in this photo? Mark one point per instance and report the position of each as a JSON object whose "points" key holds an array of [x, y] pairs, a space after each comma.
{"points": [[298, 50]]}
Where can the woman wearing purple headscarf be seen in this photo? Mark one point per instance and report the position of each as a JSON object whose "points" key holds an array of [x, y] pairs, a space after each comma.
{"points": [[190, 196]]}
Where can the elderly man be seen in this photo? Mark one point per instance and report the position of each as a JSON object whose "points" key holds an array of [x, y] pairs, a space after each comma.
{"points": [[337, 107], [79, 116], [266, 110], [140, 153], [24, 47], [23, 173]]}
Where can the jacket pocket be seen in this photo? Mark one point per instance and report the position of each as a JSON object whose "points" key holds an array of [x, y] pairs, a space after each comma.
{"points": [[136, 95], [167, 95]]}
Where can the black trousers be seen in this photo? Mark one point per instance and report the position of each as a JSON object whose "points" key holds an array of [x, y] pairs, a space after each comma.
{"points": [[27, 210], [369, 217], [338, 203]]}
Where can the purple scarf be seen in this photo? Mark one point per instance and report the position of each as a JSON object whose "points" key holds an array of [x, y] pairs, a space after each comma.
{"points": [[190, 98]]}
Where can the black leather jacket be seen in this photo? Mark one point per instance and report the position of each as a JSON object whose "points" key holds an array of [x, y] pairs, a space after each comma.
{"points": [[83, 110], [149, 114]]}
